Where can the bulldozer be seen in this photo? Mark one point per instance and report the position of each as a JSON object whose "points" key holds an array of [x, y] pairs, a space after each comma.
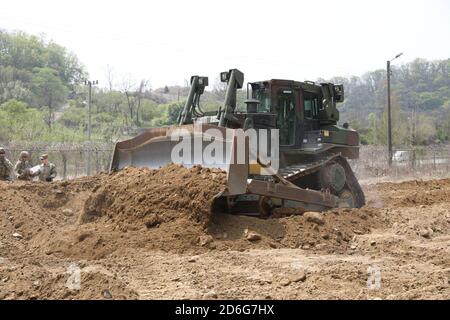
{"points": [[283, 151]]}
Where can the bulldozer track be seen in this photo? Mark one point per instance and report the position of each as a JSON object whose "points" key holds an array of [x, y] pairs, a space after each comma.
{"points": [[293, 175], [298, 170]]}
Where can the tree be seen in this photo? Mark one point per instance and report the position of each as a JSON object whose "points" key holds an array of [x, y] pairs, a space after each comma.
{"points": [[21, 54], [110, 77], [49, 91], [219, 88], [174, 111], [134, 98], [19, 122], [141, 89], [372, 135]]}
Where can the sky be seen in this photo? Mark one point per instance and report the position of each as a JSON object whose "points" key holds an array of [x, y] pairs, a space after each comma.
{"points": [[167, 41]]}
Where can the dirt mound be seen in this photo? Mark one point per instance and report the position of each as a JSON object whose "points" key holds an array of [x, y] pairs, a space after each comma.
{"points": [[416, 192], [93, 285], [332, 233], [166, 209], [170, 210], [33, 281], [31, 212], [152, 197]]}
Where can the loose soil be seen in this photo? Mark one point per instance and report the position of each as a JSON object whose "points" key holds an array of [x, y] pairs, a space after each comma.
{"points": [[150, 234]]}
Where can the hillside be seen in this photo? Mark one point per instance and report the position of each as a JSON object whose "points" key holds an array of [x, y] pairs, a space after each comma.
{"points": [[420, 102]]}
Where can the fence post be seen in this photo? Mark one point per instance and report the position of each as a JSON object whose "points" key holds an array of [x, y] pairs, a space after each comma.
{"points": [[96, 160], [64, 160], [434, 159]]}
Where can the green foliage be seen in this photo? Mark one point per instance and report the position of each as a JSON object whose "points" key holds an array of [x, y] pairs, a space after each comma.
{"points": [[18, 122], [27, 62], [15, 118], [419, 90], [377, 133], [49, 91], [73, 117], [175, 110], [151, 110]]}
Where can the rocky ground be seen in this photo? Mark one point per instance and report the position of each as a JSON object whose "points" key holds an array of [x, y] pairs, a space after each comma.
{"points": [[146, 234]]}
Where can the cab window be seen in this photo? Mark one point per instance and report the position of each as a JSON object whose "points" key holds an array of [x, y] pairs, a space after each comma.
{"points": [[286, 116], [311, 105], [262, 95]]}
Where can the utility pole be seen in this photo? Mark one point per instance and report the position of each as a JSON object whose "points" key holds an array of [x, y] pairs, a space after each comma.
{"points": [[389, 133], [89, 83]]}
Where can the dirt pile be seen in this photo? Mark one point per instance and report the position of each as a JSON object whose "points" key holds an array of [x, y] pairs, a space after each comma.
{"points": [[135, 196], [166, 209], [31, 280], [416, 192], [145, 233], [424, 206], [30, 213], [333, 233]]}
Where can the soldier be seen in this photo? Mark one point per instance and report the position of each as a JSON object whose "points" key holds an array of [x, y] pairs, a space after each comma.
{"points": [[47, 170], [6, 167], [23, 166]]}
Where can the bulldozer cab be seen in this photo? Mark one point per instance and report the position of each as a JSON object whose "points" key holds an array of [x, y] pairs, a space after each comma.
{"points": [[282, 102], [298, 107]]}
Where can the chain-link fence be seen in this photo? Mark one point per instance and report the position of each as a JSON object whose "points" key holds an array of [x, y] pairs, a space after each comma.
{"points": [[75, 160], [426, 161], [71, 160]]}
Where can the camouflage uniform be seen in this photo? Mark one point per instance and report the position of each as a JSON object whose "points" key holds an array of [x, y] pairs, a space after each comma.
{"points": [[22, 170], [46, 172], [6, 169]]}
